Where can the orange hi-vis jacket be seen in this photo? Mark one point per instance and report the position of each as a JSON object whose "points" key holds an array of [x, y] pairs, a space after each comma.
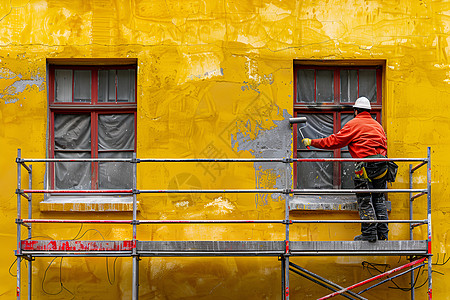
{"points": [[363, 135]]}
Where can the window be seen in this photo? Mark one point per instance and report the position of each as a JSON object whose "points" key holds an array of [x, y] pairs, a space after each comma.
{"points": [[92, 114], [325, 96]]}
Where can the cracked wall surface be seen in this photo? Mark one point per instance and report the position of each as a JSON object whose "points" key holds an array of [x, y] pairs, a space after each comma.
{"points": [[215, 80]]}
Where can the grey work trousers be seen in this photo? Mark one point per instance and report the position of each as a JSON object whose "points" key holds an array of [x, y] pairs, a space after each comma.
{"points": [[372, 206]]}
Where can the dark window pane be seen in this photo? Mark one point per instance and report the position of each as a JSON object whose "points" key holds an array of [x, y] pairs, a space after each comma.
{"points": [[82, 86], [125, 85], [107, 86], [349, 85], [368, 84], [116, 132], [315, 175], [73, 175], [347, 172], [325, 86], [72, 132], [317, 126], [305, 86], [115, 175], [63, 85]]}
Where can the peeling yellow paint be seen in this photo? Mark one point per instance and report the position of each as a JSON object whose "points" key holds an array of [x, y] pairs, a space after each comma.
{"points": [[214, 77]]}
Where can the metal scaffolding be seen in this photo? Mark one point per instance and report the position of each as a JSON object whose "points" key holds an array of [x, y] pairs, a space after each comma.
{"points": [[29, 248]]}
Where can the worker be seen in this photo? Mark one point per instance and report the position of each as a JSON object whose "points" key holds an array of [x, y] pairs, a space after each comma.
{"points": [[365, 138]]}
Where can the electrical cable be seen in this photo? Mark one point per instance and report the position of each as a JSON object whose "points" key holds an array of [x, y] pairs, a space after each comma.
{"points": [[87, 232], [443, 260], [81, 227], [62, 287], [111, 282], [114, 271], [413, 286], [373, 266], [9, 270]]}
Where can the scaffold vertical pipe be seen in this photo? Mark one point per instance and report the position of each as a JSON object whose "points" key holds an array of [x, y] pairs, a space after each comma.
{"points": [[430, 285], [19, 217], [283, 274], [30, 216], [286, 218], [411, 235], [135, 281]]}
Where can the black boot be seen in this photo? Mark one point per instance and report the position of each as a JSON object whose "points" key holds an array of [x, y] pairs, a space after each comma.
{"points": [[368, 238]]}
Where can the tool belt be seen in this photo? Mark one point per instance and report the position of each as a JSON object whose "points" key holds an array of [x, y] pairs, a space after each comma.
{"points": [[376, 170]]}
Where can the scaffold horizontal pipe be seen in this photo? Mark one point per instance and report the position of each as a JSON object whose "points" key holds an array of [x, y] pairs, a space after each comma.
{"points": [[374, 278], [187, 160], [359, 253], [417, 196], [357, 159], [79, 191], [229, 191], [256, 191], [359, 221], [210, 221], [225, 160], [77, 160], [76, 221], [220, 221], [356, 191], [418, 166]]}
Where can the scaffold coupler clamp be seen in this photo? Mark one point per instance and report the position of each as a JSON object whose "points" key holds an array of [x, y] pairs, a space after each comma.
{"points": [[135, 191], [287, 191], [287, 160], [19, 191], [135, 160]]}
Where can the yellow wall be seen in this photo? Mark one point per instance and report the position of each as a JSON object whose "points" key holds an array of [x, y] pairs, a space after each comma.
{"points": [[215, 78]]}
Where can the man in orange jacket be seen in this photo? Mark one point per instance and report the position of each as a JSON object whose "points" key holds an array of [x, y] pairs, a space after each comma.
{"points": [[365, 138]]}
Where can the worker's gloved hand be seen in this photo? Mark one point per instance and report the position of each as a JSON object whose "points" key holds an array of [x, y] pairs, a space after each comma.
{"points": [[306, 142]]}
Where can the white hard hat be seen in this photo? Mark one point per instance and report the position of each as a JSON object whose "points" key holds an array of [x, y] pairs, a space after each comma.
{"points": [[362, 102]]}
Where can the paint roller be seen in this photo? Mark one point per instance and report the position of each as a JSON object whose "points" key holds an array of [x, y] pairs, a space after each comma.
{"points": [[299, 120]]}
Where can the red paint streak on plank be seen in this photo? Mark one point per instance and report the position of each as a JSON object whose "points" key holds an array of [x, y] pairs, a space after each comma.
{"points": [[77, 245]]}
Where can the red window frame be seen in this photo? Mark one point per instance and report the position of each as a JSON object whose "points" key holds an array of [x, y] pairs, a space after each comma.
{"points": [[94, 108], [336, 108]]}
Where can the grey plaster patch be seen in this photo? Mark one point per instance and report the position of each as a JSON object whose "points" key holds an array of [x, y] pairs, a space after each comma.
{"points": [[20, 85], [6, 73], [275, 142]]}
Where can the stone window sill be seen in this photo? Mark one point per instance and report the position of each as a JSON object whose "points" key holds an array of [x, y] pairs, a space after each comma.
{"points": [[337, 202], [87, 204]]}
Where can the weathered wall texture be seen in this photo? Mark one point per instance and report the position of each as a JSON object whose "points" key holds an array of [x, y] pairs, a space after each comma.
{"points": [[215, 79]]}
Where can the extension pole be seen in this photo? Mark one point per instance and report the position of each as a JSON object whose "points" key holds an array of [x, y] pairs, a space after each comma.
{"points": [[30, 212], [430, 286], [19, 216], [135, 280], [411, 235]]}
